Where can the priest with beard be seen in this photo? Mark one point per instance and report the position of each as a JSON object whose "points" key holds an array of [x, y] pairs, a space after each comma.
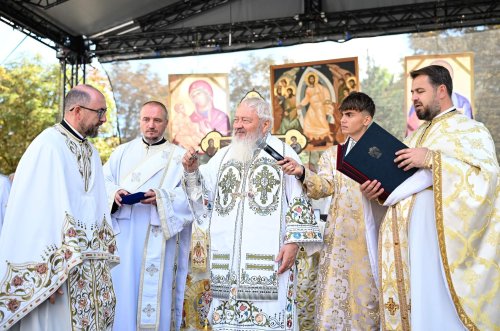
{"points": [[57, 246], [255, 217], [438, 243], [154, 233]]}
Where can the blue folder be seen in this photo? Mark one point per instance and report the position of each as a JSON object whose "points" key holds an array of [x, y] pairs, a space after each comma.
{"points": [[133, 198], [372, 157]]}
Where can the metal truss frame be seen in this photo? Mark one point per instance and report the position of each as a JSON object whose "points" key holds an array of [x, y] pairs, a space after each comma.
{"points": [[156, 39], [153, 35], [72, 51]]}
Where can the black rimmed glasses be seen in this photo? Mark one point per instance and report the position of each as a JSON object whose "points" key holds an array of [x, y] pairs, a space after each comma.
{"points": [[100, 112]]}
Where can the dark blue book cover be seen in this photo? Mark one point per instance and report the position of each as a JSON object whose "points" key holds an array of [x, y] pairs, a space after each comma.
{"points": [[373, 156], [133, 198]]}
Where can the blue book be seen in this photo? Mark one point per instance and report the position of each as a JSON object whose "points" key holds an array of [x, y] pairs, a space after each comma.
{"points": [[372, 157], [133, 198]]}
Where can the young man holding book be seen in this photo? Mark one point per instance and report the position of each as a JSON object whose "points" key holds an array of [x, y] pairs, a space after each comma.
{"points": [[438, 244], [347, 292]]}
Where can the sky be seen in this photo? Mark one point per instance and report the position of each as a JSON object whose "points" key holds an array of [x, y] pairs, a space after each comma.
{"points": [[386, 51]]}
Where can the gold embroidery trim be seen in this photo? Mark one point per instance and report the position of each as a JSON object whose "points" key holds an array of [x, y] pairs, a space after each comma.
{"points": [[438, 205], [391, 306], [399, 272], [379, 262]]}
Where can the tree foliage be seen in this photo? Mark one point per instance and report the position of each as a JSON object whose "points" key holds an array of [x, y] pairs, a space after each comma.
{"points": [[107, 140], [387, 92], [132, 88], [29, 100], [29, 103], [483, 41]]}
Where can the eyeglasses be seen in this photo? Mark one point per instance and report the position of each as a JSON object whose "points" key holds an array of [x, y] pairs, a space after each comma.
{"points": [[100, 112]]}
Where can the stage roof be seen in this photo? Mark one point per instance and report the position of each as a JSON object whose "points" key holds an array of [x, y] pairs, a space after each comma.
{"points": [[114, 30]]}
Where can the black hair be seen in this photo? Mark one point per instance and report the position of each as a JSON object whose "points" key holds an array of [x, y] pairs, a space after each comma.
{"points": [[358, 101], [438, 75]]}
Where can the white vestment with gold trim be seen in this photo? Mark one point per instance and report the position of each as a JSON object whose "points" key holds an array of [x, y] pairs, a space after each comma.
{"points": [[57, 234], [438, 244], [154, 240]]}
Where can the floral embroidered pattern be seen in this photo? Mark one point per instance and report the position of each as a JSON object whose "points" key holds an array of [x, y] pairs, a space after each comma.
{"points": [[92, 298], [245, 314], [83, 153], [301, 224], [259, 280]]}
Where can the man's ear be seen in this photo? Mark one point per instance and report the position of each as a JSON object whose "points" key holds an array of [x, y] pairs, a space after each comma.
{"points": [[265, 127], [367, 120], [78, 111], [443, 91]]}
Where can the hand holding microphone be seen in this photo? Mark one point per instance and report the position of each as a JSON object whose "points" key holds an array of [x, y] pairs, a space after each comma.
{"points": [[289, 165], [271, 151]]}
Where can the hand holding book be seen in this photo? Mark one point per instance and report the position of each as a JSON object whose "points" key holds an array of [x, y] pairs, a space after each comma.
{"points": [[372, 158]]}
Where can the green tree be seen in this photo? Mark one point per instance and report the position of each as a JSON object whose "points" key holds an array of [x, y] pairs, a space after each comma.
{"points": [[131, 88], [29, 99], [107, 140], [483, 41], [387, 92]]}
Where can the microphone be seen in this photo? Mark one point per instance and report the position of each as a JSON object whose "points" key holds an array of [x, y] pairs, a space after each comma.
{"points": [[271, 151], [261, 143]]}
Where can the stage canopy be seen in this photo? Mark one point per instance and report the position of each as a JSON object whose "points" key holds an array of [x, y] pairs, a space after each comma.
{"points": [[114, 30]]}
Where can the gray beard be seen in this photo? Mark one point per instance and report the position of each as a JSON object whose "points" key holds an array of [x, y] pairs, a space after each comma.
{"points": [[92, 132], [243, 149]]}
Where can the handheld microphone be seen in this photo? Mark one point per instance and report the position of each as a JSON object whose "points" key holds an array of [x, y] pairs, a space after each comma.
{"points": [[271, 151]]}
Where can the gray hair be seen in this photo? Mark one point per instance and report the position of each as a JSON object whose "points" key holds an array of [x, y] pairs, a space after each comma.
{"points": [[262, 108], [79, 95]]}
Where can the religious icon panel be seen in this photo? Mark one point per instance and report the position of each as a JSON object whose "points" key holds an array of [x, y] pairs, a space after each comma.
{"points": [[199, 104], [461, 68], [306, 98]]}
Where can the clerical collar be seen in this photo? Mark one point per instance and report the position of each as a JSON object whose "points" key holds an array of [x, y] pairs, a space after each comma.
{"points": [[159, 142], [72, 130], [350, 144], [449, 110]]}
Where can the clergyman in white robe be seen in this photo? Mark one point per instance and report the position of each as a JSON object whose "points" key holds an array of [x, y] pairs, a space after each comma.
{"points": [[57, 234], [154, 240], [251, 210]]}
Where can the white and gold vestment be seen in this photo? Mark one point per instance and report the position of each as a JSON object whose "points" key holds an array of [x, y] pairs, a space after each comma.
{"points": [[438, 245], [252, 209]]}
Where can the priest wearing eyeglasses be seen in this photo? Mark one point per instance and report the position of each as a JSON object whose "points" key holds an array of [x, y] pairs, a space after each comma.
{"points": [[57, 246]]}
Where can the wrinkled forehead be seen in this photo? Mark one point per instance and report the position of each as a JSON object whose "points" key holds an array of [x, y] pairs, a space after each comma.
{"points": [[153, 111], [245, 110]]}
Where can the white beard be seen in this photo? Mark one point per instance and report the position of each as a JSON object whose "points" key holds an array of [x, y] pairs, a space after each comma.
{"points": [[243, 149]]}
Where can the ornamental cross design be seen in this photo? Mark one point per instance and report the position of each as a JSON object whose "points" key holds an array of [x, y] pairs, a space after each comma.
{"points": [[149, 310], [227, 185], [264, 182], [136, 177], [392, 306], [155, 230], [152, 269]]}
